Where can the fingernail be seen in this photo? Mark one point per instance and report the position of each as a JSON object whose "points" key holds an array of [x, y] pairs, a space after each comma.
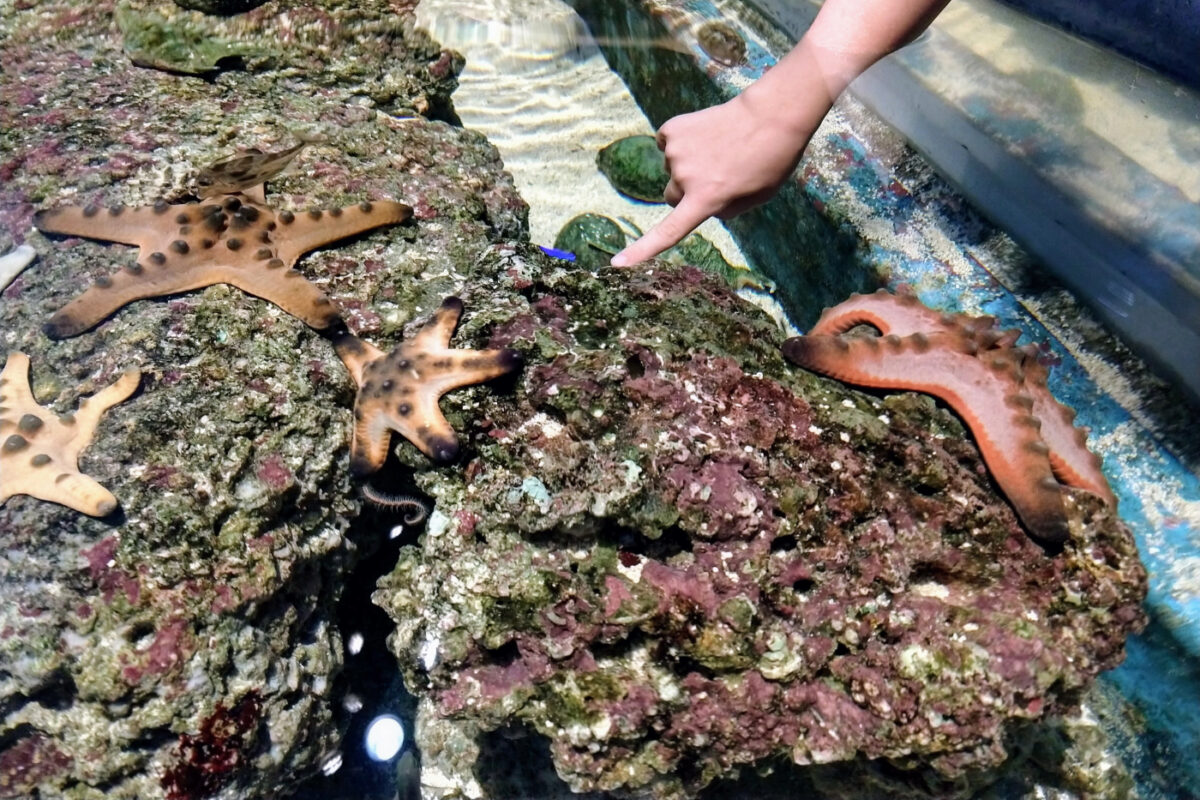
{"points": [[619, 260]]}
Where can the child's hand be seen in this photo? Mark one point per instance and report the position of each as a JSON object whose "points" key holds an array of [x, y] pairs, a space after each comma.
{"points": [[732, 157], [722, 161]]}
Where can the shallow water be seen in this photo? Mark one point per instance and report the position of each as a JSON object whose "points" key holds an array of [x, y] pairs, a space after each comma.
{"points": [[536, 83]]}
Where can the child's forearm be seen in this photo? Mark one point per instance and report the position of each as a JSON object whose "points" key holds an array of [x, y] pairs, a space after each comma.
{"points": [[728, 158], [846, 37]]}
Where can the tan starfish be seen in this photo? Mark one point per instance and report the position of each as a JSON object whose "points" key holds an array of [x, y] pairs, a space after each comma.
{"points": [[399, 391], [39, 455], [233, 239]]}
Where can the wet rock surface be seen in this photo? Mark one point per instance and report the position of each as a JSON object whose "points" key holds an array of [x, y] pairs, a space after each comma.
{"points": [[185, 647], [670, 555], [664, 553]]}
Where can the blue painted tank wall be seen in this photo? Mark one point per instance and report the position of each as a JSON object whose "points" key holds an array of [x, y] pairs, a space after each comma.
{"points": [[1164, 34]]}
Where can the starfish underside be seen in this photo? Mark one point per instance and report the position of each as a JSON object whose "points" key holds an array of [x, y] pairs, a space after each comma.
{"points": [[249, 168], [39, 450], [399, 391], [1027, 438], [231, 239]]}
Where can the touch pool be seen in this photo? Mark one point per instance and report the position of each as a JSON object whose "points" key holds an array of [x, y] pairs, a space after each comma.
{"points": [[661, 551]]}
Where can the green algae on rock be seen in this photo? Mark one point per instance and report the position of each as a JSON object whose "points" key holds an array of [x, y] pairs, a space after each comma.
{"points": [[593, 238], [672, 556], [635, 167], [176, 43]]}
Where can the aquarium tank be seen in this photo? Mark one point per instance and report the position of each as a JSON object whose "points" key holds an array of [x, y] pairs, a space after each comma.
{"points": [[475, 400]]}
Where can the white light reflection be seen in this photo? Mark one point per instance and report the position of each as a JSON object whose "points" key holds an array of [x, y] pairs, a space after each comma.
{"points": [[385, 737], [331, 764]]}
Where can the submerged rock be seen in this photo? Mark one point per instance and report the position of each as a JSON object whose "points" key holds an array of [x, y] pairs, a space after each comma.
{"points": [[697, 251], [671, 555], [593, 238], [722, 43], [635, 167]]}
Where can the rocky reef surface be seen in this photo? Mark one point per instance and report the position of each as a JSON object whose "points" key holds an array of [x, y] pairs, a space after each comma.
{"points": [[664, 552], [670, 554], [185, 647]]}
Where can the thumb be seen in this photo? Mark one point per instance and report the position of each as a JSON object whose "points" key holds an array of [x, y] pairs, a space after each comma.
{"points": [[684, 219]]}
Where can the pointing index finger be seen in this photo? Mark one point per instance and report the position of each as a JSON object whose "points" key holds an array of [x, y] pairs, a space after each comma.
{"points": [[684, 219]]}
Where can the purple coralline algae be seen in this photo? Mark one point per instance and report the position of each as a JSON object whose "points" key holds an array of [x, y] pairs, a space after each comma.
{"points": [[670, 555]]}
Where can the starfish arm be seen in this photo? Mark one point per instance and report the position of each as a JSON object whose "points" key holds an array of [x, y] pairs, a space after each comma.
{"points": [[70, 489], [87, 417], [109, 293], [370, 438], [14, 383], [468, 367], [435, 335], [984, 392], [114, 224], [901, 314], [287, 289], [426, 427], [1072, 462], [355, 354], [300, 233]]}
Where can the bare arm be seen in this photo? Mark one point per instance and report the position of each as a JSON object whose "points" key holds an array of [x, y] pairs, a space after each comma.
{"points": [[734, 156]]}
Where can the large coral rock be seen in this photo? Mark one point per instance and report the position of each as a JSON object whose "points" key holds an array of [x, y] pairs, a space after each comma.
{"points": [[188, 646], [671, 554]]}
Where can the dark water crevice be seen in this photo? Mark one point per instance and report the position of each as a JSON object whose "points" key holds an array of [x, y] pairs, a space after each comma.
{"points": [[370, 683]]}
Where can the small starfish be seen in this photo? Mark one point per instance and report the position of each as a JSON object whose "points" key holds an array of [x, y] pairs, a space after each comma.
{"points": [[399, 391], [233, 239], [1026, 437], [40, 453]]}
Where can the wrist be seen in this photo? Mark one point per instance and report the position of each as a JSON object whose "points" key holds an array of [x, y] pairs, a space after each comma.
{"points": [[794, 95]]}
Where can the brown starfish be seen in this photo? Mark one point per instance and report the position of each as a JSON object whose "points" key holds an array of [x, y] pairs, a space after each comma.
{"points": [[40, 452], [1026, 437], [233, 239], [399, 391]]}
